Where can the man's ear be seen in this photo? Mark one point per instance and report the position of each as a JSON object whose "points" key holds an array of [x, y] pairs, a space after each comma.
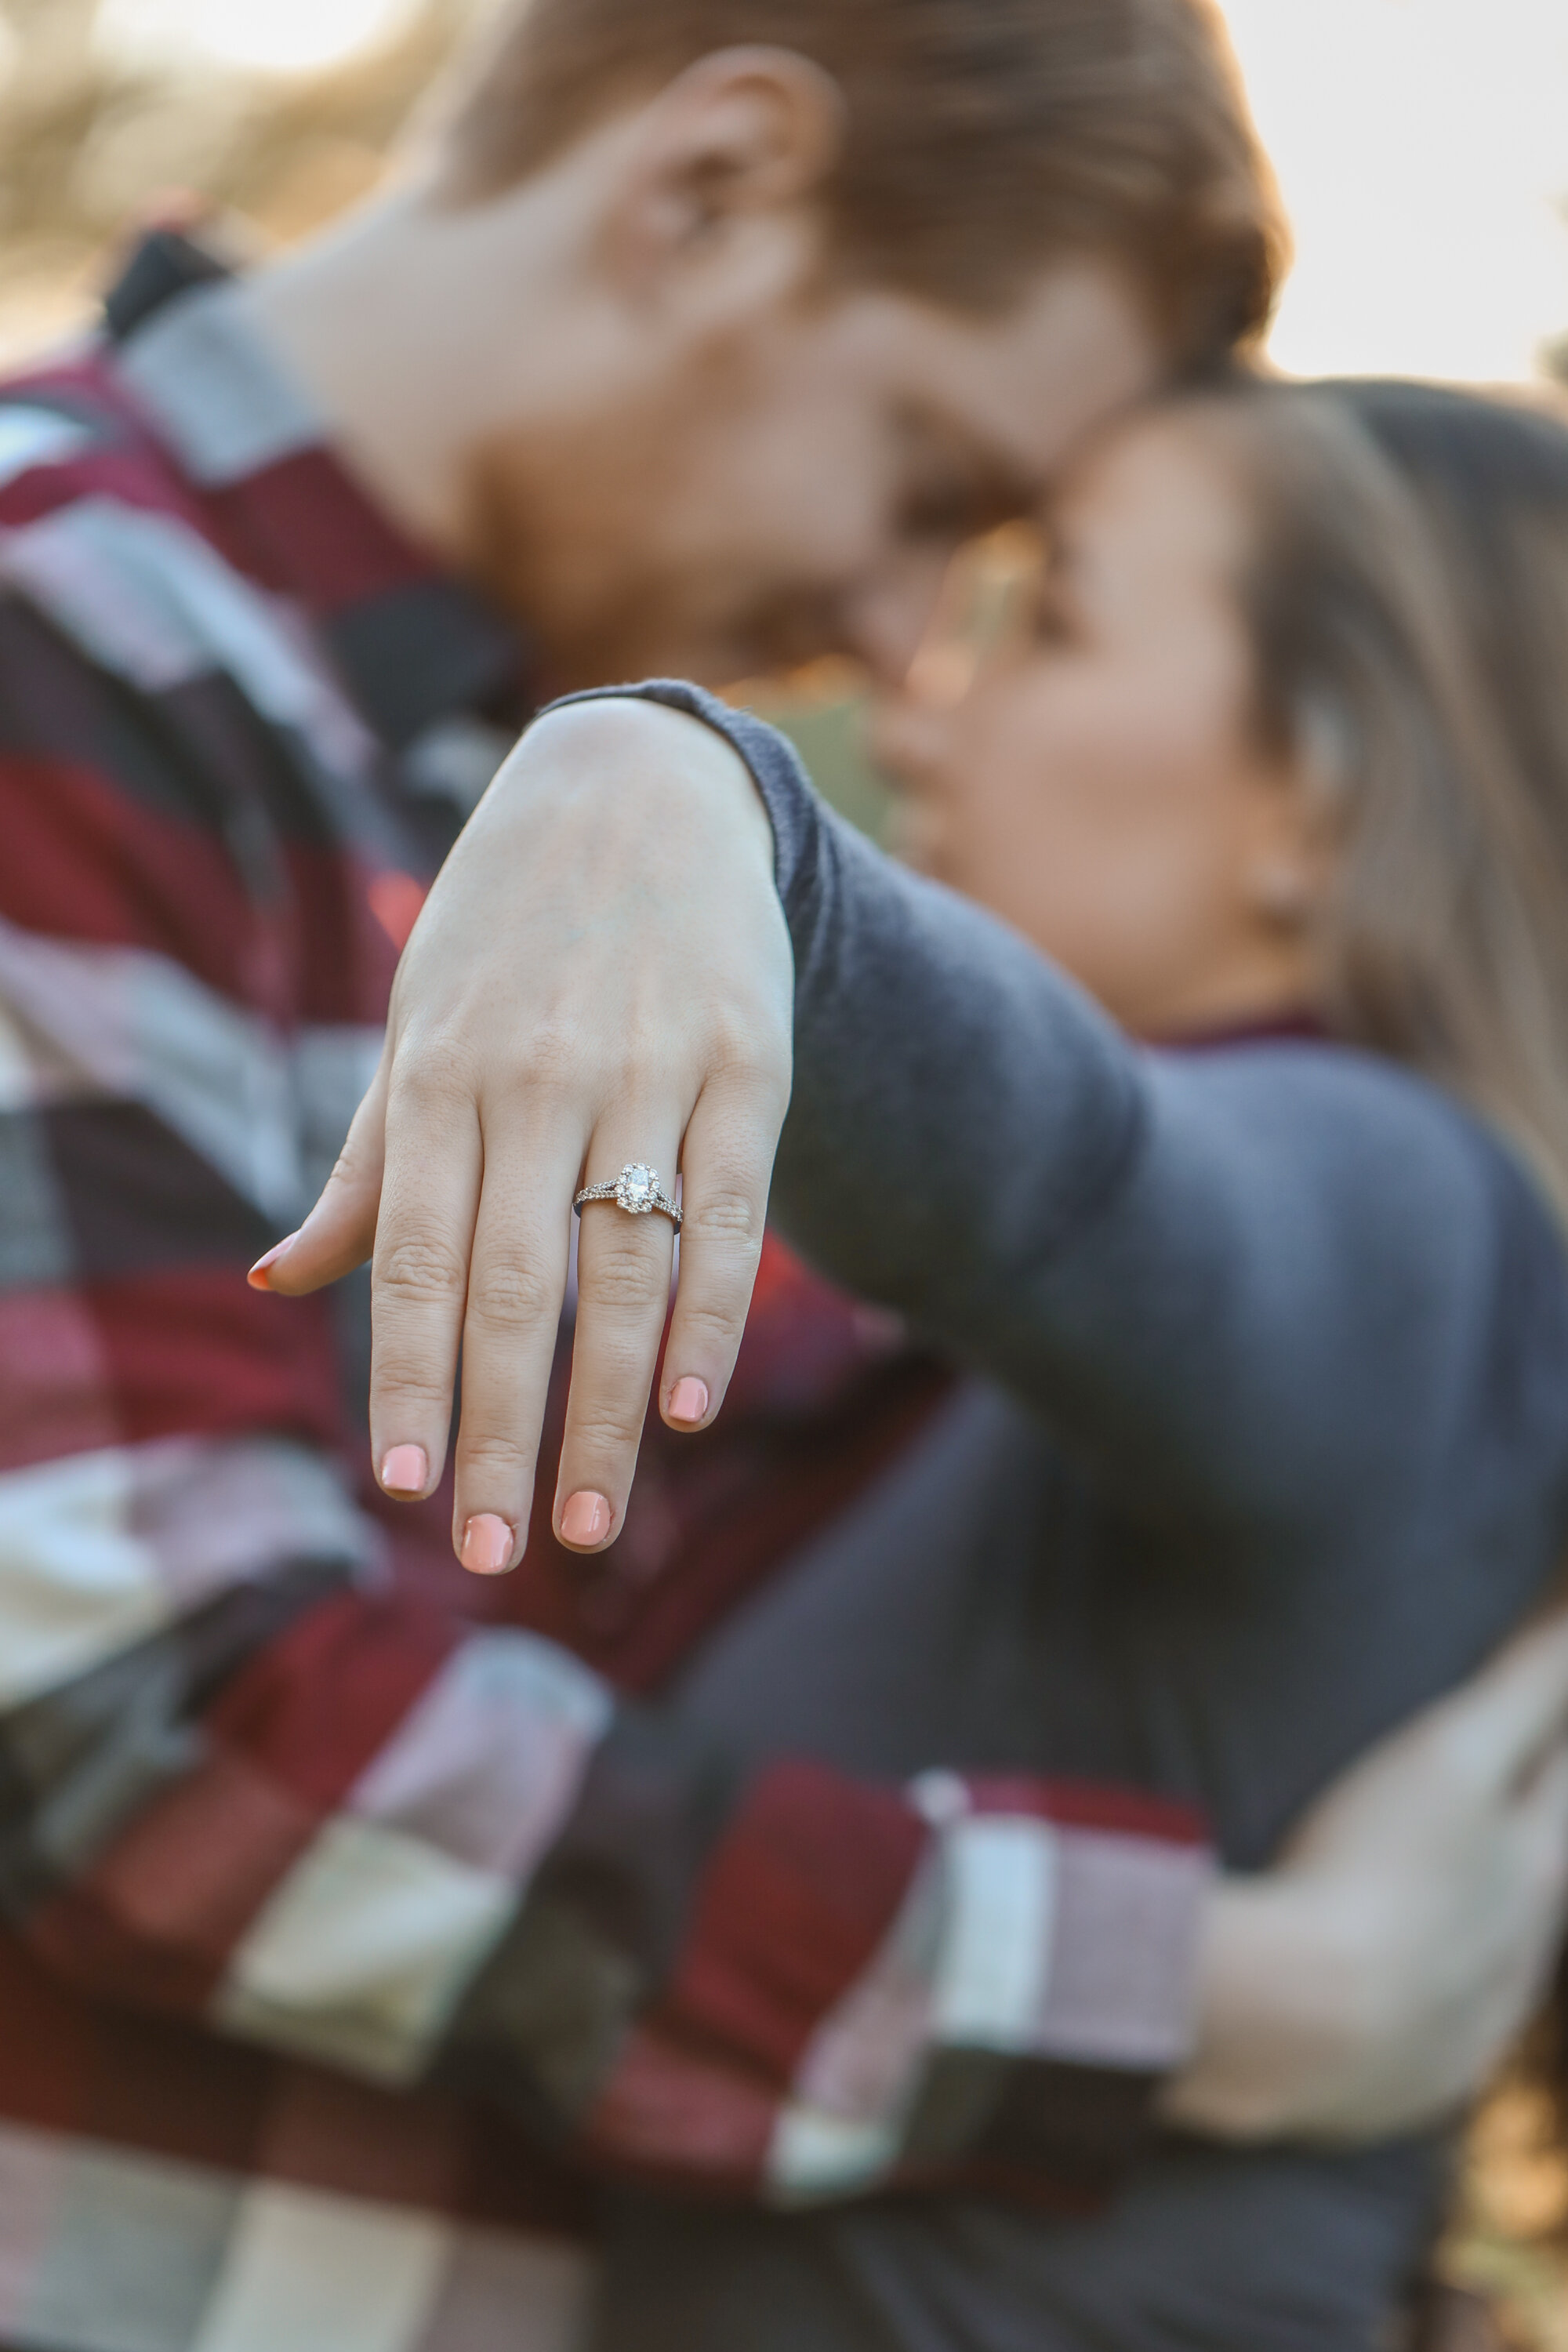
{"points": [[744, 137]]}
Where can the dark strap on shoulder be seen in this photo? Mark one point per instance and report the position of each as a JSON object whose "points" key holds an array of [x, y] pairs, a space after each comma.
{"points": [[165, 263]]}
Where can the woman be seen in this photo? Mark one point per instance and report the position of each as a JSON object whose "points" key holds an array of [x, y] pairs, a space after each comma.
{"points": [[1279, 1438]]}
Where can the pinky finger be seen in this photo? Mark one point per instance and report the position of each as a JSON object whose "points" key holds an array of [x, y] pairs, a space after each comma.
{"points": [[726, 1166]]}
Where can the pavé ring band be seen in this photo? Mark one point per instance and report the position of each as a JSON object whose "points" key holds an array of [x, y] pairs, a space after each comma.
{"points": [[635, 1190]]}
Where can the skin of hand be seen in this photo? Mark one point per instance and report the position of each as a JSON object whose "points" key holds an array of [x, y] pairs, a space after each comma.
{"points": [[632, 1001], [1369, 1982]]}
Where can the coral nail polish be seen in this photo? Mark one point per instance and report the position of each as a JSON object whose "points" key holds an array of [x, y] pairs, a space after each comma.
{"points": [[585, 1519], [688, 1399], [405, 1470], [486, 1544], [257, 1277]]}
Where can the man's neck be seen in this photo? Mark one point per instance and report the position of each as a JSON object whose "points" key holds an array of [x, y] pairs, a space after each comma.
{"points": [[420, 332]]}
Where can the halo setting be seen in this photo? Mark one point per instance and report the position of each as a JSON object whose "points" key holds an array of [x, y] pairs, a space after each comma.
{"points": [[637, 1190]]}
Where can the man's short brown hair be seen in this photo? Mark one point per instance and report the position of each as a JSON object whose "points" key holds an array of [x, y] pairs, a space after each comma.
{"points": [[984, 136]]}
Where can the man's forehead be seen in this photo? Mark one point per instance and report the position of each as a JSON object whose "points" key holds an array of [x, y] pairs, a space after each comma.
{"points": [[1026, 386]]}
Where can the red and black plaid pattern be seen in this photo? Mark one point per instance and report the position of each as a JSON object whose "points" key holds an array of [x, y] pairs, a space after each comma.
{"points": [[324, 1868]]}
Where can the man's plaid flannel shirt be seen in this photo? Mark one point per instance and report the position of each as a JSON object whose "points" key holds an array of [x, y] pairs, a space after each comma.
{"points": [[320, 1879]]}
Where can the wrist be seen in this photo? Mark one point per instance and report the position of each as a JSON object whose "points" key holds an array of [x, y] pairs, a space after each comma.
{"points": [[629, 743]]}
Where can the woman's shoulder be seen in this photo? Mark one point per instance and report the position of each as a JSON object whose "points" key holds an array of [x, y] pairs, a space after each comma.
{"points": [[1376, 1282]]}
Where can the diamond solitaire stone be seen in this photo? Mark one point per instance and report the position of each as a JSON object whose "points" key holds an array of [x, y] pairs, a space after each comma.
{"points": [[637, 1187]]}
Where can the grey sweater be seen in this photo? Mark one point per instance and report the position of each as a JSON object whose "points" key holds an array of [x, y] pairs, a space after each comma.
{"points": [[1265, 1444]]}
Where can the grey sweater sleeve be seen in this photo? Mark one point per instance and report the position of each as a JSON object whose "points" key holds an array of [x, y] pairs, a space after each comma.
{"points": [[1242, 1283]]}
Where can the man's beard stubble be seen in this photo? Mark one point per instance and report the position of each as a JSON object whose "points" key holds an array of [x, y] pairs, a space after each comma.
{"points": [[632, 622]]}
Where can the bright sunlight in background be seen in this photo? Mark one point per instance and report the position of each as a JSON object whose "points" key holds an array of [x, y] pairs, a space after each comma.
{"points": [[283, 36], [1423, 149], [1422, 144]]}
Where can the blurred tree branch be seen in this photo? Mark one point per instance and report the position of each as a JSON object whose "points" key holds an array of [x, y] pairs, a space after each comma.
{"points": [[89, 143]]}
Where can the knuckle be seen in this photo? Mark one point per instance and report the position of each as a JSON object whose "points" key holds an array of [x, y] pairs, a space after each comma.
{"points": [[419, 1269], [425, 1076], [605, 1428], [411, 1405], [733, 1056], [627, 1274], [708, 1331], [746, 1035], [406, 1365], [551, 1057], [512, 1297], [492, 1456], [731, 1214]]}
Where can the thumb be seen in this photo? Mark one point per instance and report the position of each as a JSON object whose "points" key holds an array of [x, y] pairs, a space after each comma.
{"points": [[340, 1232]]}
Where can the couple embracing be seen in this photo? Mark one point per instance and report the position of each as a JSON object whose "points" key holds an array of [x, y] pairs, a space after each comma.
{"points": [[817, 1918]]}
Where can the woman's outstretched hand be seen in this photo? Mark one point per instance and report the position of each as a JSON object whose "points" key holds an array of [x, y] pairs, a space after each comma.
{"points": [[601, 974], [1371, 1980]]}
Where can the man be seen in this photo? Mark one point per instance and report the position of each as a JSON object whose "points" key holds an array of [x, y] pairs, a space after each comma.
{"points": [[708, 330]]}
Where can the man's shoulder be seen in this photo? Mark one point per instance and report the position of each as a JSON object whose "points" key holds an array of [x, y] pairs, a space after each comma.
{"points": [[67, 433], [107, 541]]}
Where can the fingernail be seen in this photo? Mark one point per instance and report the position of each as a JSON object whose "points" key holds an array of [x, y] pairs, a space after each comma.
{"points": [[486, 1544], [585, 1519], [689, 1399], [257, 1277], [405, 1470]]}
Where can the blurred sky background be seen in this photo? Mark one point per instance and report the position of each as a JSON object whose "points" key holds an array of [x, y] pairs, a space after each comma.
{"points": [[1422, 144]]}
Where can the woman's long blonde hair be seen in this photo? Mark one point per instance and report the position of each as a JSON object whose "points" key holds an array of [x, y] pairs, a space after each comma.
{"points": [[1408, 597]]}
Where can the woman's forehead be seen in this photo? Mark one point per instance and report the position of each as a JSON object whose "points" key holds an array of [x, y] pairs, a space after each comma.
{"points": [[1154, 489]]}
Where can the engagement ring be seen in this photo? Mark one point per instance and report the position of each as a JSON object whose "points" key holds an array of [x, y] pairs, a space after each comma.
{"points": [[635, 1189]]}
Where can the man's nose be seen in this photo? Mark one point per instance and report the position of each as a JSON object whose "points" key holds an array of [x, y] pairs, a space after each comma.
{"points": [[886, 618]]}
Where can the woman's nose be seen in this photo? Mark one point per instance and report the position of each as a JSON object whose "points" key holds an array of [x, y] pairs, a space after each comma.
{"points": [[903, 734]]}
